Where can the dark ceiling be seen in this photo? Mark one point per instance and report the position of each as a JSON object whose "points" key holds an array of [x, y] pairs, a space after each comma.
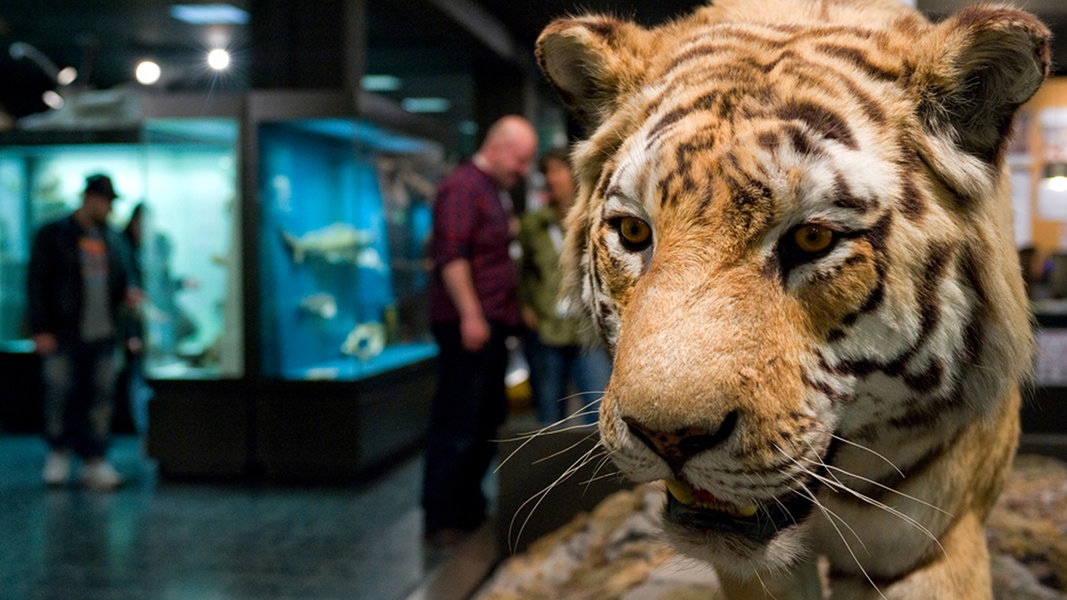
{"points": [[104, 39]]}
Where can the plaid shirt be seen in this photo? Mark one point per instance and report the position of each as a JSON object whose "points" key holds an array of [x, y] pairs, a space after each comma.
{"points": [[469, 221]]}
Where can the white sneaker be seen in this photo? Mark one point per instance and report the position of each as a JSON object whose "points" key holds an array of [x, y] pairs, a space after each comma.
{"points": [[56, 468], [100, 475]]}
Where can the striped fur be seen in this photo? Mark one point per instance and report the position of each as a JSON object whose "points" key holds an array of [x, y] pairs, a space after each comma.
{"points": [[879, 375]]}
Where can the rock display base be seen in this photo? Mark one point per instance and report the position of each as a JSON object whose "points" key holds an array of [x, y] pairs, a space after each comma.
{"points": [[616, 551]]}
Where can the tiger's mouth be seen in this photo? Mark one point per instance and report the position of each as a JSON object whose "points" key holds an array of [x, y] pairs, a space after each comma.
{"points": [[700, 510]]}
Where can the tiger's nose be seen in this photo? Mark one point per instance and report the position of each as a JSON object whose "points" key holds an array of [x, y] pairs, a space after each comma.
{"points": [[678, 446]]}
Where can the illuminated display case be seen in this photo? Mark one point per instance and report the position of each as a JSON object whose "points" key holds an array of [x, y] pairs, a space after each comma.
{"points": [[191, 250], [184, 174], [345, 219]]}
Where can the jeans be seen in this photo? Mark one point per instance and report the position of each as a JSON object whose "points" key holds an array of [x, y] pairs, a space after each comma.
{"points": [[79, 388], [552, 368], [468, 406]]}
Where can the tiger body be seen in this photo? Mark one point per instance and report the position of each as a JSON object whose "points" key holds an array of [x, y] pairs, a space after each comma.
{"points": [[794, 233]]}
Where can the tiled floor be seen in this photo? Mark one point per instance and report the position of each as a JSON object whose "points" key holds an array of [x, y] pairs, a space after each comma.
{"points": [[195, 541]]}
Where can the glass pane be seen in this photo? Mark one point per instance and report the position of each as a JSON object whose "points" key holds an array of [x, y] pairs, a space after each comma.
{"points": [[345, 220], [39, 184], [14, 247], [190, 249]]}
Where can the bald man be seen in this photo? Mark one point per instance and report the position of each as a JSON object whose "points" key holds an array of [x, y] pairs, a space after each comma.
{"points": [[473, 306]]}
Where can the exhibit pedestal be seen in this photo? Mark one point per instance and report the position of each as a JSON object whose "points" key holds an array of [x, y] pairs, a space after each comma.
{"points": [[288, 431]]}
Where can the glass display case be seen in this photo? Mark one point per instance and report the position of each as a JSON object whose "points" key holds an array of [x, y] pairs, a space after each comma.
{"points": [[191, 254], [14, 248], [345, 218], [184, 172]]}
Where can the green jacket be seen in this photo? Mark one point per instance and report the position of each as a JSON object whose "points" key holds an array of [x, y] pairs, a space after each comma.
{"points": [[540, 277]]}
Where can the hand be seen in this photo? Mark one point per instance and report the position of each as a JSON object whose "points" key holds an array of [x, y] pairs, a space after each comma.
{"points": [[529, 318], [44, 343], [474, 332], [135, 345]]}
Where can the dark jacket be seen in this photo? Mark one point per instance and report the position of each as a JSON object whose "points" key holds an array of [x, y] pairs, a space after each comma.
{"points": [[54, 279]]}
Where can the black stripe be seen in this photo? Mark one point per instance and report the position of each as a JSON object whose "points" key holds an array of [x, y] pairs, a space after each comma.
{"points": [[823, 388], [911, 472], [844, 198], [858, 58], [820, 119], [682, 173], [912, 204], [871, 106], [935, 269]]}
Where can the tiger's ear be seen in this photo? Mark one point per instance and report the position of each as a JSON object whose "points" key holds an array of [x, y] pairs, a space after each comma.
{"points": [[974, 70], [594, 63]]}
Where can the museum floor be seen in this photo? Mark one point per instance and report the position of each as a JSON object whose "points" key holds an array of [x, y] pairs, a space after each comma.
{"points": [[209, 541]]}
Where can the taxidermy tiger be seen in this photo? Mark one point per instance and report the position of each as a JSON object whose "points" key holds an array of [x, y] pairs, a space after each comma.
{"points": [[794, 233]]}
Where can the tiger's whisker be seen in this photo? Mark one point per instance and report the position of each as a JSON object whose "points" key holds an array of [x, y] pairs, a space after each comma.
{"points": [[870, 450], [830, 517], [540, 496], [891, 489], [838, 487], [565, 450], [530, 436]]}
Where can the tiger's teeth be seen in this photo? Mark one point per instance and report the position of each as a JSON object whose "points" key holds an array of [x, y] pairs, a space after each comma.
{"points": [[687, 495], [682, 491]]}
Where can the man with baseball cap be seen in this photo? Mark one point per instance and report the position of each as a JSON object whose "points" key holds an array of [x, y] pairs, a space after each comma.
{"points": [[79, 278]]}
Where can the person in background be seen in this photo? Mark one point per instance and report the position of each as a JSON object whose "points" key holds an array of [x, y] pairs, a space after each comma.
{"points": [[139, 392], [553, 346], [473, 307], [79, 278]]}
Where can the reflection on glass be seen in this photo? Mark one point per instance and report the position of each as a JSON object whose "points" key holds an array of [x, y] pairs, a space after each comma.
{"points": [[345, 220]]}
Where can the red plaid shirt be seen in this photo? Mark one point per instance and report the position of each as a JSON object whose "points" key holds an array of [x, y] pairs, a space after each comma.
{"points": [[469, 221]]}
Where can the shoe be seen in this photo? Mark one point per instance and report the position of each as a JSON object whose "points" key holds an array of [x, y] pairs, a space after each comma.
{"points": [[56, 468], [100, 475]]}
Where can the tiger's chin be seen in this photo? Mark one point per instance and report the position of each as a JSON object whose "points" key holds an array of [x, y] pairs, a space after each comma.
{"points": [[744, 540]]}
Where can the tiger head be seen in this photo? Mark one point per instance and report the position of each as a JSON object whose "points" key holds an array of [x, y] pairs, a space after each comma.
{"points": [[793, 232]]}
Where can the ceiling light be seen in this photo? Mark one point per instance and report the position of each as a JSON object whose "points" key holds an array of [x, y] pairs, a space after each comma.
{"points": [[218, 59], [425, 105], [209, 14], [380, 83], [66, 75], [52, 99], [148, 72]]}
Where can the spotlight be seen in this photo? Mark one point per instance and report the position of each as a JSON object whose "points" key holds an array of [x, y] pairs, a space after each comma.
{"points": [[52, 99], [218, 59], [66, 75], [148, 72]]}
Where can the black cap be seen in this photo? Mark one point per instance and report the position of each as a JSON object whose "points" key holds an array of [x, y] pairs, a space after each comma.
{"points": [[100, 184]]}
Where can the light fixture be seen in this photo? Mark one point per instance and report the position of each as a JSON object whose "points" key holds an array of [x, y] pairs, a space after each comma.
{"points": [[380, 83], [52, 99], [66, 75], [148, 72], [218, 59], [209, 14], [425, 105], [1054, 176]]}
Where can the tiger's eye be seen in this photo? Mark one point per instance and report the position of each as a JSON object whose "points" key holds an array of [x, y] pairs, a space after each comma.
{"points": [[634, 231], [813, 238]]}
